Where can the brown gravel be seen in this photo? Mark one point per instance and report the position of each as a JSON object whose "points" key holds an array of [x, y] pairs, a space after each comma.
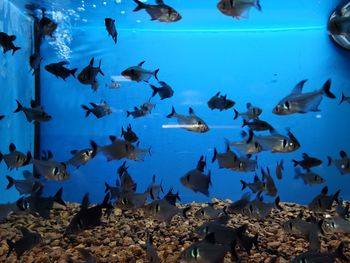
{"points": [[122, 236]]}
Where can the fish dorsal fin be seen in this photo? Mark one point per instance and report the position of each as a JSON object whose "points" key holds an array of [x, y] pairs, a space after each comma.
{"points": [[64, 165], [256, 178], [62, 63], [153, 178], [49, 155], [112, 138], [93, 104], [92, 62], [190, 111], [25, 231], [136, 108], [306, 156], [324, 190], [249, 105], [12, 148], [141, 63], [160, 2], [33, 104], [85, 202], [299, 87], [217, 94], [73, 151], [343, 154], [210, 238]]}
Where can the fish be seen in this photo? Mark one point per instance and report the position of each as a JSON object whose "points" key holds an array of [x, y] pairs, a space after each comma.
{"points": [[116, 150], [238, 206], [86, 254], [82, 157], [34, 62], [46, 25], [88, 76], [114, 191], [137, 113], [26, 186], [99, 110], [256, 187], [138, 154], [6, 41], [138, 73], [151, 253], [2, 117], [160, 11], [260, 210], [226, 159], [15, 159], [197, 181], [51, 169], [163, 211], [339, 25], [257, 125], [244, 164], [252, 113], [9, 208], [343, 164], [246, 148], [28, 241], [132, 200], [60, 71], [206, 251], [279, 170], [36, 204], [336, 224], [164, 91], [322, 201], [220, 102], [129, 135], [209, 212], [238, 8], [88, 217], [318, 257], [270, 189], [275, 142], [172, 197], [35, 113], [155, 189], [298, 102], [344, 99], [307, 162], [110, 27], [189, 122], [309, 178], [127, 183], [201, 164], [246, 242]]}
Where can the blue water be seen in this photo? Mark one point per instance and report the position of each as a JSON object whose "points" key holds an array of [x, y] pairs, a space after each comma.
{"points": [[257, 60]]}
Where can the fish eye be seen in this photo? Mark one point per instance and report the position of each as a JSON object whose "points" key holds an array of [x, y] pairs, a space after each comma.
{"points": [[195, 253], [240, 164], [157, 208], [206, 230], [55, 170], [202, 212], [199, 123], [124, 201], [286, 105]]}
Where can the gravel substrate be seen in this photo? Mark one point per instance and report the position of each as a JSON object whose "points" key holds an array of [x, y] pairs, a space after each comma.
{"points": [[122, 236]]}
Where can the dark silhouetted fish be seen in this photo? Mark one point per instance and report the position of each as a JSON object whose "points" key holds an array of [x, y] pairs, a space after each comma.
{"points": [[6, 42], [209, 212], [260, 210], [117, 149], [164, 91], [88, 76], [15, 159], [257, 125], [309, 177], [110, 27], [34, 62], [46, 26], [307, 162], [256, 186], [34, 113], [171, 197], [60, 71], [238, 206], [9, 208], [343, 164], [99, 110], [220, 102], [271, 189], [160, 11], [114, 191], [131, 200], [322, 201], [25, 243], [138, 73], [155, 189], [226, 159], [129, 135]]}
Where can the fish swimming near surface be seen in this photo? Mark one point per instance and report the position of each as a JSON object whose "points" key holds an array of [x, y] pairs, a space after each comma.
{"points": [[309, 178], [220, 102], [88, 217], [15, 159], [88, 76], [129, 135], [164, 91], [279, 170], [46, 25], [28, 241], [51, 169], [344, 99], [172, 197], [99, 110], [189, 122], [151, 252], [34, 62], [343, 164], [37, 204], [298, 102], [60, 71], [257, 125], [110, 27], [34, 113], [308, 162], [252, 112], [82, 157], [322, 257], [238, 8], [256, 186], [339, 25], [27, 186], [138, 73], [160, 11], [6, 42], [322, 201]]}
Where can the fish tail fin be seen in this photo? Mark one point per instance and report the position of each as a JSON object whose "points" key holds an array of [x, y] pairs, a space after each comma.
{"points": [[128, 113], [258, 5], [295, 163], [11, 246], [185, 210], [94, 148], [155, 73], [326, 89], [107, 186], [339, 253], [73, 71], [277, 203], [19, 107], [58, 197], [244, 185], [245, 123], [140, 5], [155, 90], [2, 116], [336, 197], [236, 114], [15, 49], [329, 160], [11, 182], [342, 98], [88, 111], [29, 158], [214, 156], [173, 112]]}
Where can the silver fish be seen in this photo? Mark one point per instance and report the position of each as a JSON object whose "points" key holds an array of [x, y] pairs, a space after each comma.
{"points": [[26, 186], [155, 189], [245, 148], [110, 27], [138, 73], [99, 110], [190, 122], [239, 205], [322, 201], [339, 25], [82, 157], [160, 11], [138, 154], [309, 177], [244, 164], [279, 170], [88, 76], [162, 210], [252, 112], [260, 210], [298, 102], [15, 159], [226, 159], [164, 91], [256, 186], [220, 102], [34, 62], [343, 164], [6, 42], [336, 225], [238, 8], [197, 181], [344, 99], [131, 200], [34, 113], [209, 212], [118, 149]]}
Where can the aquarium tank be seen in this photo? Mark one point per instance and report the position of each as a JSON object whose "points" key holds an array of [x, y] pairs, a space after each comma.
{"points": [[174, 131]]}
